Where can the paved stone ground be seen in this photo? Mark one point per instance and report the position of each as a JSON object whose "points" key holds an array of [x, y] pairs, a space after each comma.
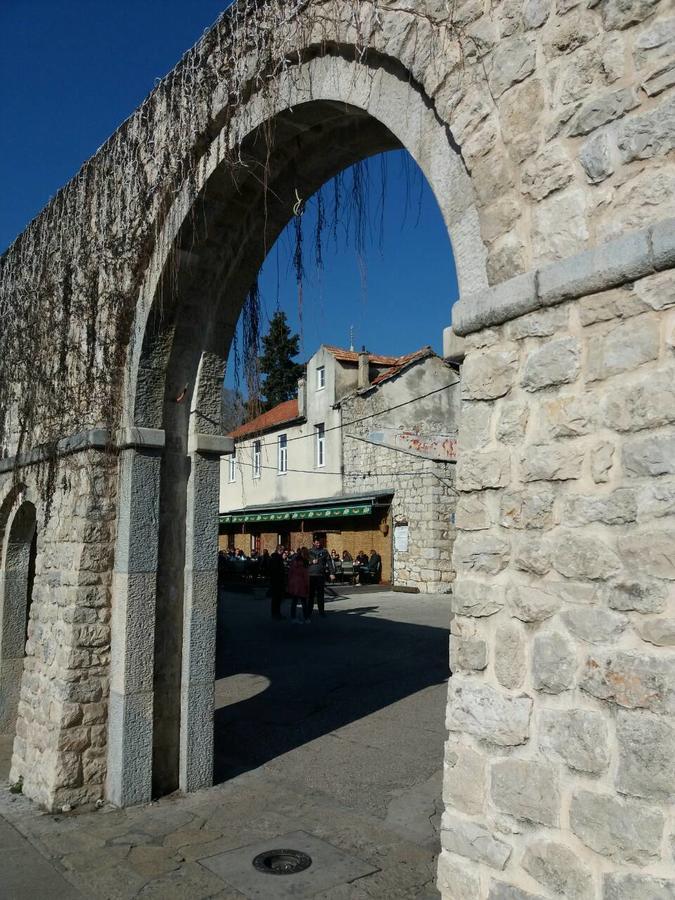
{"points": [[333, 728]]}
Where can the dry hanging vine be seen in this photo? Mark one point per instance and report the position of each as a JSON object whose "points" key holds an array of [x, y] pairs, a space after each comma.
{"points": [[70, 283]]}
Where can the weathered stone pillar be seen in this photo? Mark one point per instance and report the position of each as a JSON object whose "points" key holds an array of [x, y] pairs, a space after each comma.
{"points": [[200, 611], [559, 773], [130, 713]]}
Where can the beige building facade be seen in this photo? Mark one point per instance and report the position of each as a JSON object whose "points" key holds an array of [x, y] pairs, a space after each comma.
{"points": [[346, 461]]}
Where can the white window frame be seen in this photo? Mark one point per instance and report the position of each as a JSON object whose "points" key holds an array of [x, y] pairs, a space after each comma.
{"points": [[232, 470], [283, 455], [320, 431], [320, 378], [257, 459]]}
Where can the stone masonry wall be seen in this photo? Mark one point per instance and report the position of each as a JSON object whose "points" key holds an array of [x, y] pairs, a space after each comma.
{"points": [[424, 492], [60, 743], [560, 763]]}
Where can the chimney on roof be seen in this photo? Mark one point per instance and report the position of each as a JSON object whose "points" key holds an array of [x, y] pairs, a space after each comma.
{"points": [[302, 396], [364, 370]]}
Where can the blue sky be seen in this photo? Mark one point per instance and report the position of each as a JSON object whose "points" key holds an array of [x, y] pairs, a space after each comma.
{"points": [[71, 72]]}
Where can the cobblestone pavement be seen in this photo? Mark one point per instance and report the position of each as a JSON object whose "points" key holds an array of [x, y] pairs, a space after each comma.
{"points": [[347, 747]]}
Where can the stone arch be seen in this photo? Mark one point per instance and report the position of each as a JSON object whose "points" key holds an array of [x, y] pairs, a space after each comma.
{"points": [[204, 263], [19, 538]]}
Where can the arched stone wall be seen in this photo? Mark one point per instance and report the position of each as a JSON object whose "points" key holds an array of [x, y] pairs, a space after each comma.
{"points": [[546, 135]]}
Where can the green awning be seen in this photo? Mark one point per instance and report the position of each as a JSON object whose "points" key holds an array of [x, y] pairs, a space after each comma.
{"points": [[290, 515]]}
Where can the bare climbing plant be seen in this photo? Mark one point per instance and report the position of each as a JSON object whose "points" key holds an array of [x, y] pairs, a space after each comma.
{"points": [[70, 283]]}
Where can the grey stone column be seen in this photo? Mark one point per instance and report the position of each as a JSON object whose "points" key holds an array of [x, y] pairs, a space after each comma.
{"points": [[200, 611], [129, 777]]}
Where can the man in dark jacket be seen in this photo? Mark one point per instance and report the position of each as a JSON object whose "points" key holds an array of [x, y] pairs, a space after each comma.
{"points": [[276, 572], [320, 565]]}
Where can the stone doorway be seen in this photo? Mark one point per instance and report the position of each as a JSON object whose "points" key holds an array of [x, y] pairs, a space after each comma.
{"points": [[16, 590]]}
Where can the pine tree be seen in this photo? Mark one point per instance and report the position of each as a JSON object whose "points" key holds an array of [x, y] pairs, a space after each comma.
{"points": [[279, 371]]}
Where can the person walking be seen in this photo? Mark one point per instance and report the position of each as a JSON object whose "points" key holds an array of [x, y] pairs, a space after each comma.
{"points": [[320, 565], [298, 585], [276, 572]]}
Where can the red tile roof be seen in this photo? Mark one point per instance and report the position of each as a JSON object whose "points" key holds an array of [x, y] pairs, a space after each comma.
{"points": [[353, 356], [401, 363], [284, 412]]}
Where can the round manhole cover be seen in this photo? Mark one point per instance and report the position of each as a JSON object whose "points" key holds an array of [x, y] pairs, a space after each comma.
{"points": [[282, 862]]}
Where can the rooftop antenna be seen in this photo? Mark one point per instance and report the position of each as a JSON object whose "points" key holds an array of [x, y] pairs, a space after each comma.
{"points": [[351, 338]]}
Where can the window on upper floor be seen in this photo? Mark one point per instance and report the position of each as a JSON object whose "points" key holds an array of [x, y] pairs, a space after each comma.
{"points": [[320, 378], [283, 454], [232, 468], [256, 459], [320, 445]]}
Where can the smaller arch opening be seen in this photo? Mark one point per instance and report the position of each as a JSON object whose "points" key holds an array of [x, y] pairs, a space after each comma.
{"points": [[17, 578]]}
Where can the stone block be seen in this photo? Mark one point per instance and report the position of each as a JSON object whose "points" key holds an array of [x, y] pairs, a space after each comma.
{"points": [[625, 831], [652, 454], [546, 171], [632, 885], [467, 654], [621, 303], [555, 362], [655, 44], [512, 422], [559, 231], [488, 375], [485, 469], [481, 553], [532, 604], [602, 461], [649, 553], [631, 679], [509, 655], [474, 425], [472, 513], [559, 869], [624, 348], [491, 306], [619, 261], [540, 323], [570, 415], [551, 462], [649, 403], [535, 13], [532, 555], [617, 508], [656, 499], [526, 789], [476, 599], [593, 624], [576, 556], [657, 291], [520, 116], [554, 663], [663, 243], [464, 779], [512, 61], [488, 714], [640, 596], [474, 842], [650, 134], [578, 736], [529, 508], [603, 109], [660, 632], [596, 159], [499, 890], [456, 882], [646, 754]]}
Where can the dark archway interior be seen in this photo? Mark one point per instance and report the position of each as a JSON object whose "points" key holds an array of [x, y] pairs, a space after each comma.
{"points": [[18, 577]]}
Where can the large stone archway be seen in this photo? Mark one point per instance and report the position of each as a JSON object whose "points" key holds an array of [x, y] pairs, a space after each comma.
{"points": [[542, 135]]}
